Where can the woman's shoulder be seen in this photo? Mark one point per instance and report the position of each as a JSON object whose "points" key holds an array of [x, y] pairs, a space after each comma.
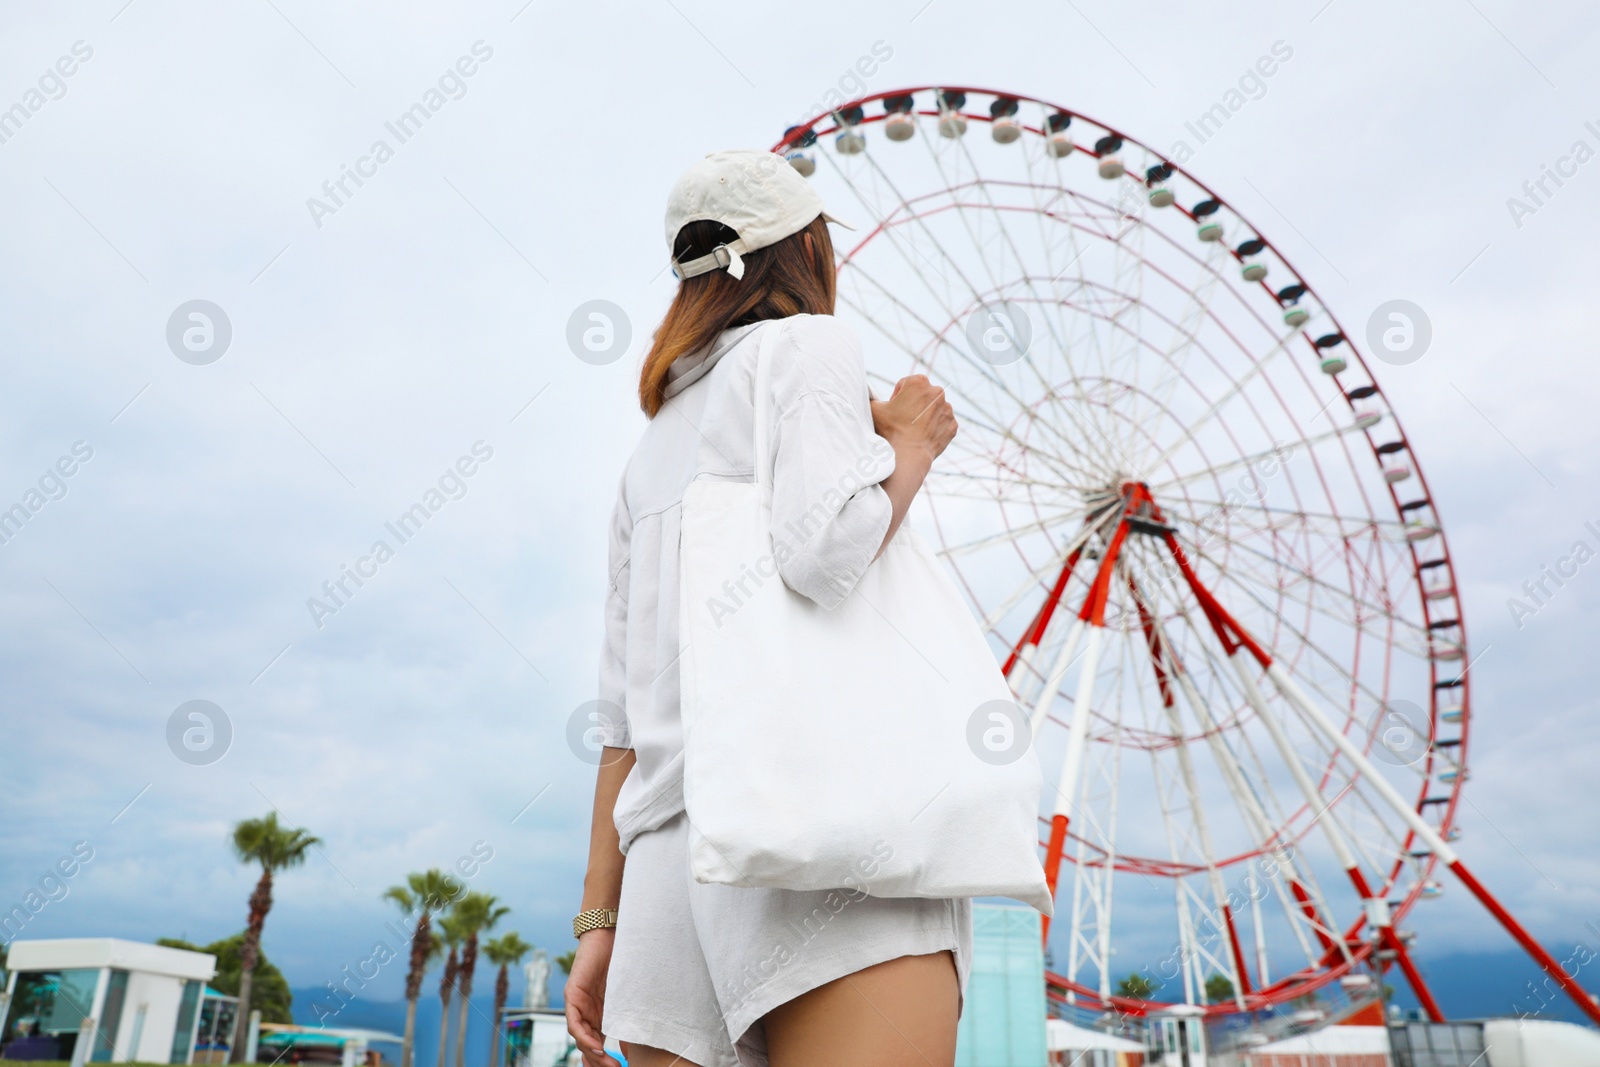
{"points": [[818, 352], [821, 330]]}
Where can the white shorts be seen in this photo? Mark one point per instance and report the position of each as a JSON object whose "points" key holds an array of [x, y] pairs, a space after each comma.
{"points": [[694, 967]]}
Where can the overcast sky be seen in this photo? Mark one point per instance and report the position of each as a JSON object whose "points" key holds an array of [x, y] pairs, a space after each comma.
{"points": [[379, 338]]}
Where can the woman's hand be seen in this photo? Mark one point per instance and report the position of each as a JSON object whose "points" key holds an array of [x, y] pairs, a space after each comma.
{"points": [[585, 996], [915, 416], [602, 888], [918, 423]]}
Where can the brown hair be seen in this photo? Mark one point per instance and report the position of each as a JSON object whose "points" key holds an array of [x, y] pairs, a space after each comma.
{"points": [[780, 280]]}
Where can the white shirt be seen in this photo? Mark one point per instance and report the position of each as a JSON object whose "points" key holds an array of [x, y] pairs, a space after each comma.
{"points": [[827, 463]]}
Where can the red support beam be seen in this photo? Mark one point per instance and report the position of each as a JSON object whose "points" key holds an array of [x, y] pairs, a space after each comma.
{"points": [[1052, 862], [1548, 962], [1093, 611], [1238, 950], [1153, 645], [1035, 631]]}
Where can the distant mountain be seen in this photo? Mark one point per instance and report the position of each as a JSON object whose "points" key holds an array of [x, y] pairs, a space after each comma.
{"points": [[1480, 985]]}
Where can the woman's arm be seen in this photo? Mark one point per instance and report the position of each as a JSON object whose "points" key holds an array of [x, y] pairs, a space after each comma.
{"points": [[918, 423], [603, 880], [602, 888], [835, 488]]}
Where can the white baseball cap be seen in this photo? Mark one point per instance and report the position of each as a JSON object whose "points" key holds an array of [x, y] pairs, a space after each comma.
{"points": [[753, 192]]}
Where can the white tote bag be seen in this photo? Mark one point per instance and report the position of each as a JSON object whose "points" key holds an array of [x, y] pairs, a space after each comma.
{"points": [[873, 746]]}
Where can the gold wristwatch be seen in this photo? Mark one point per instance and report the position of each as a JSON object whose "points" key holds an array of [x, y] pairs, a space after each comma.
{"points": [[594, 919]]}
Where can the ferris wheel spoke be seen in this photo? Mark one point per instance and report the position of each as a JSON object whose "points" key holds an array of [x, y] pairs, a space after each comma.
{"points": [[958, 485], [1005, 537], [1333, 662], [1388, 842], [1361, 611], [1066, 348], [991, 449], [884, 222], [911, 215], [1215, 406], [1186, 330], [971, 404], [1254, 459], [1061, 301], [1395, 527], [1052, 322]]}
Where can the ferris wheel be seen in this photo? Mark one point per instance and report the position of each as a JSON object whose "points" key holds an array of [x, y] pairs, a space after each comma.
{"points": [[1197, 537]]}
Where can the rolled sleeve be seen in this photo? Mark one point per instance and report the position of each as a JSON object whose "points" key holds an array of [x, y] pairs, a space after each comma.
{"points": [[611, 720], [829, 514]]}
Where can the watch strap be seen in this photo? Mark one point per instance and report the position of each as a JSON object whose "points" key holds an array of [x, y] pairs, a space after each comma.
{"points": [[593, 919]]}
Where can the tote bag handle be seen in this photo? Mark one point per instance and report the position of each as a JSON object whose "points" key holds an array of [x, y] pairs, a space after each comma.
{"points": [[763, 402]]}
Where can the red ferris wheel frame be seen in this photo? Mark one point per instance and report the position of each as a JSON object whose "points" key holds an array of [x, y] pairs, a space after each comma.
{"points": [[1340, 958]]}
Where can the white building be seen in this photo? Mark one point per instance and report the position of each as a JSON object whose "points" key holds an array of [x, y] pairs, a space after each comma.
{"points": [[1075, 1046], [144, 1000]]}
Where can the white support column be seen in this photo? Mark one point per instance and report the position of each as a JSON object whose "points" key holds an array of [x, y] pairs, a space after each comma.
{"points": [[1075, 930], [1262, 976], [1321, 809], [1110, 869], [1219, 891], [1058, 673], [1186, 945], [1249, 805], [1077, 737], [1308, 789], [1187, 949], [1430, 837]]}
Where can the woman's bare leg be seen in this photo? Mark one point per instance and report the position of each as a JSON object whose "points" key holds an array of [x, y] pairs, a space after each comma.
{"points": [[901, 1013], [648, 1056]]}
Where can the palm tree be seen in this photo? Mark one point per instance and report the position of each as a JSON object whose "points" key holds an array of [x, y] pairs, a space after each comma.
{"points": [[476, 913], [449, 935], [276, 848], [423, 894], [1136, 986], [504, 950]]}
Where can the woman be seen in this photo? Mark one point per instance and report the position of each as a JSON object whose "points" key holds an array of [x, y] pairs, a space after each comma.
{"points": [[713, 975]]}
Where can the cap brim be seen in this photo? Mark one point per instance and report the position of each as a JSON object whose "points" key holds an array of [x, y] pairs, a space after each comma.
{"points": [[837, 222]]}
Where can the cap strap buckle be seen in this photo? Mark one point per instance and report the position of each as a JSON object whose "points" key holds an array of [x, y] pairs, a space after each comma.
{"points": [[721, 256]]}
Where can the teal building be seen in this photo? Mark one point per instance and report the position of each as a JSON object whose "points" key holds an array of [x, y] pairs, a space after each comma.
{"points": [[1002, 1023]]}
